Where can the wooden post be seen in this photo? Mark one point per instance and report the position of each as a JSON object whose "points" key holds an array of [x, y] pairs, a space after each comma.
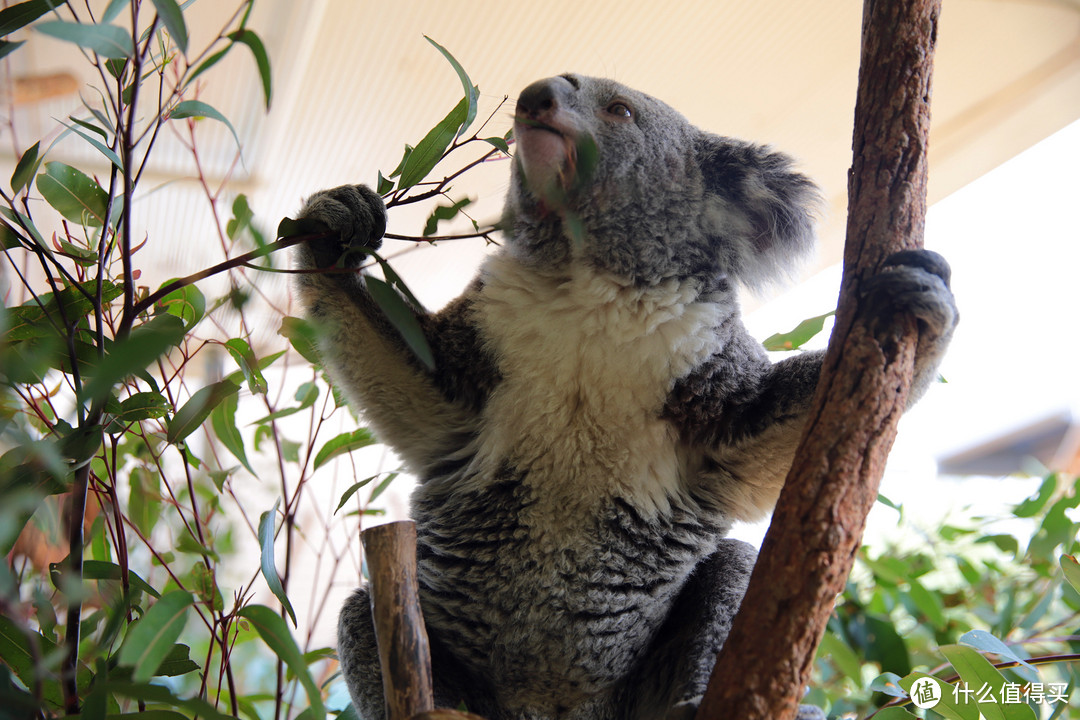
{"points": [[399, 625], [817, 527]]}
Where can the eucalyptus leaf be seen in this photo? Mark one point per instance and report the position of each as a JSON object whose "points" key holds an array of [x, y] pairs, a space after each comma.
{"points": [[199, 109], [401, 316], [223, 422], [195, 411], [151, 638], [7, 47], [262, 59], [472, 93], [73, 194], [108, 41], [173, 20], [26, 168], [429, 151], [144, 345], [275, 633], [798, 336], [267, 566], [342, 444], [22, 14]]}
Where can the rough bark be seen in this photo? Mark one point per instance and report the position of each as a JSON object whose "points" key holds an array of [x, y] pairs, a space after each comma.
{"points": [[821, 513], [402, 639]]}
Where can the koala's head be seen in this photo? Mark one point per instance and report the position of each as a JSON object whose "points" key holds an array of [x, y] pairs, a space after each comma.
{"points": [[610, 176]]}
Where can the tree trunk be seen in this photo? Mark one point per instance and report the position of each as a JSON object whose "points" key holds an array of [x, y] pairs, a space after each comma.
{"points": [[404, 653], [765, 664]]}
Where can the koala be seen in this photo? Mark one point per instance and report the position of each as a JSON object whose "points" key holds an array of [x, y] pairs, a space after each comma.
{"points": [[598, 416]]}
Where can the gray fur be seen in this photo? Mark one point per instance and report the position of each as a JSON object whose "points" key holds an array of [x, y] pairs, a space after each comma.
{"points": [[598, 415]]}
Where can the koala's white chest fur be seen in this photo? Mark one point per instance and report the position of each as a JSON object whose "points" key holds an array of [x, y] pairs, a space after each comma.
{"points": [[587, 363]]}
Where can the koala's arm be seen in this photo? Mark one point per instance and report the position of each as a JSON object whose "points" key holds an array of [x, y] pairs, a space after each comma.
{"points": [[424, 415], [744, 415]]}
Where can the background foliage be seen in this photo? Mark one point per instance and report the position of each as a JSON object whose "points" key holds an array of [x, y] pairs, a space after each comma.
{"points": [[125, 474]]}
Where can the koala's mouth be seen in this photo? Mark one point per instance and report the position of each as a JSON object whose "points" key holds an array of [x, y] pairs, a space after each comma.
{"points": [[556, 160]]}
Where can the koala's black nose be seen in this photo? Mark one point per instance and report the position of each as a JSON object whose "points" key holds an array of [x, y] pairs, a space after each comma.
{"points": [[544, 97]]}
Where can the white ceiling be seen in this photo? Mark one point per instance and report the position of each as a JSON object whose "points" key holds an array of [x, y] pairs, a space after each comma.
{"points": [[355, 80]]}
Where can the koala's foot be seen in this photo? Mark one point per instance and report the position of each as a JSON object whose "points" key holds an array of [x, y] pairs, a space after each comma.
{"points": [[355, 212]]}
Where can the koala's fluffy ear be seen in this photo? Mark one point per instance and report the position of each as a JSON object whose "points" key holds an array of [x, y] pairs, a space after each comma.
{"points": [[759, 211]]}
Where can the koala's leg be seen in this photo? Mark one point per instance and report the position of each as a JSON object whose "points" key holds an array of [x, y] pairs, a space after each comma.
{"points": [[424, 414], [672, 679], [672, 676], [359, 656]]}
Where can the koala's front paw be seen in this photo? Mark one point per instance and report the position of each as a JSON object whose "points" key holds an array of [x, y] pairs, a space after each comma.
{"points": [[355, 212], [916, 282]]}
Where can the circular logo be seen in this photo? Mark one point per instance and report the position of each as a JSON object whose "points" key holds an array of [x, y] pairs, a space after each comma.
{"points": [[925, 692]]}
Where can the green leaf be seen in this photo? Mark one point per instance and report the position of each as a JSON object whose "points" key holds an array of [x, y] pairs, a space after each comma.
{"points": [[177, 662], [401, 316], [242, 217], [383, 186], [269, 569], [381, 487], [7, 47], [25, 170], [151, 638], [144, 499], [799, 336], [441, 213], [223, 421], [199, 109], [161, 695], [249, 364], [499, 143], [73, 194], [1033, 506], [173, 19], [929, 603], [985, 642], [187, 303], [113, 10], [143, 346], [978, 673], [102, 570], [344, 443], [1071, 568], [98, 145], [302, 336], [108, 41], [352, 491], [20, 15], [208, 63], [195, 411], [429, 151], [23, 658], [143, 406], [275, 633], [471, 91], [249, 38], [845, 658]]}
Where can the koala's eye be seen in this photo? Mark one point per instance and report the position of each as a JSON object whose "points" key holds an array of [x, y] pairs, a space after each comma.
{"points": [[620, 109]]}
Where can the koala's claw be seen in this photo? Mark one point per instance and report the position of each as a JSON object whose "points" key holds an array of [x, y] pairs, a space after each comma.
{"points": [[355, 212], [916, 282]]}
